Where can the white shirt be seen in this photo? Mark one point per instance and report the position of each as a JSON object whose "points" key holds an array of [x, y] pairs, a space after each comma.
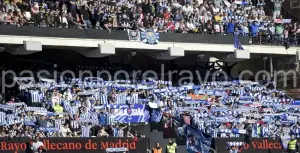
{"points": [[177, 5], [199, 2], [217, 28], [63, 20], [63, 131], [190, 26], [216, 9], [187, 9], [35, 146]]}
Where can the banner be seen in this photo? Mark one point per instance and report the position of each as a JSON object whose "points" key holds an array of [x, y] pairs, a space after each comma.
{"points": [[76, 145], [197, 141], [257, 145], [236, 43], [283, 20], [133, 35], [149, 36], [198, 97], [135, 114], [156, 115], [179, 129], [241, 2]]}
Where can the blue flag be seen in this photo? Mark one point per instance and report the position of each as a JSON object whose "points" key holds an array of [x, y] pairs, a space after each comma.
{"points": [[156, 115], [149, 36], [197, 141], [237, 44]]}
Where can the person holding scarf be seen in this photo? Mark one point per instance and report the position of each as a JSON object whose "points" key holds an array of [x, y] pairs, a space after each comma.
{"points": [[38, 146]]}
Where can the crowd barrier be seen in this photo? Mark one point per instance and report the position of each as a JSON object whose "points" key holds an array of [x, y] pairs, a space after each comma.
{"points": [[76, 145], [117, 35], [276, 40]]}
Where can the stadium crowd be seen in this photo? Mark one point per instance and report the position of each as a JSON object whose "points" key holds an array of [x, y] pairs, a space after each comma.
{"points": [[88, 108], [239, 17]]}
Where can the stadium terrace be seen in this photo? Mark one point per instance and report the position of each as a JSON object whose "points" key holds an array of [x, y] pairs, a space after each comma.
{"points": [[222, 73]]}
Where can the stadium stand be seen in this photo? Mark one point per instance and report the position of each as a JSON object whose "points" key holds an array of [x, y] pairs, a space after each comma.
{"points": [[220, 109], [234, 111], [240, 17]]}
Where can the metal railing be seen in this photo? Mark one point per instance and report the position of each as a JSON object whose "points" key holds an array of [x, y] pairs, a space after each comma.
{"points": [[275, 40]]}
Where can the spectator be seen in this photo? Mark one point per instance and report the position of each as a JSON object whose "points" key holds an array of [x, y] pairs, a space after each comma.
{"points": [[254, 28], [65, 131], [277, 8], [42, 121], [230, 27], [58, 108], [85, 16]]}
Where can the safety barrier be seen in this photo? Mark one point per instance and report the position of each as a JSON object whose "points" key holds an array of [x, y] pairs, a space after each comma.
{"points": [[275, 40]]}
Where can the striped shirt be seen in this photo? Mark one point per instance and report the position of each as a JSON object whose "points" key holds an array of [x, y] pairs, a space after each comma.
{"points": [[103, 99], [75, 125], [111, 119], [96, 96], [201, 126], [85, 115], [67, 108], [74, 110], [121, 98], [2, 118], [71, 109], [85, 131], [120, 133], [115, 132], [214, 132], [58, 123]]}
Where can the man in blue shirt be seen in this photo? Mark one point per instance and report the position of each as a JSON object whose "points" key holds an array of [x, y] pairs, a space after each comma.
{"points": [[230, 27], [254, 28], [102, 119]]}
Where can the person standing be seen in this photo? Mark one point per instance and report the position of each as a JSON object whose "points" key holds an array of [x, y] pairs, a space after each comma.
{"points": [[38, 146], [171, 147], [292, 145], [157, 148], [277, 8]]}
